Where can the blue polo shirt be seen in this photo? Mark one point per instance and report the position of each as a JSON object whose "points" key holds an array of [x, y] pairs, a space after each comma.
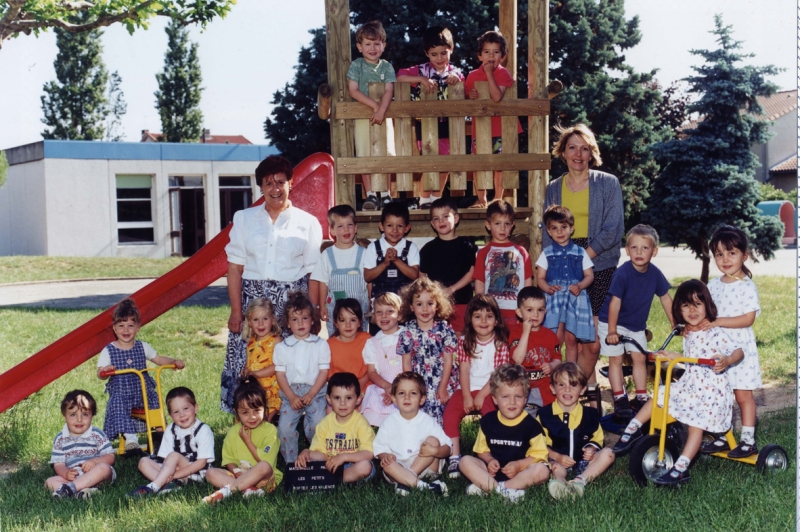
{"points": [[636, 291]]}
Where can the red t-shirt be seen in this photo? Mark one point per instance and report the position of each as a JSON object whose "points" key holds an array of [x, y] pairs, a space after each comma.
{"points": [[542, 347], [503, 268], [503, 78]]}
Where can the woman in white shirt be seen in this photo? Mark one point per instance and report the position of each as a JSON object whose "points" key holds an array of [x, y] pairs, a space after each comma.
{"points": [[273, 249]]}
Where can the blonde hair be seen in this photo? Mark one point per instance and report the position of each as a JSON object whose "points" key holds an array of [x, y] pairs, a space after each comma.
{"points": [[389, 299], [371, 30], [644, 231], [444, 305], [583, 131], [265, 305]]}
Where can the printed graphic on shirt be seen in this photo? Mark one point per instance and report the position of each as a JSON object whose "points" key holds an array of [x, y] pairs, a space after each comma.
{"points": [[505, 274], [507, 443], [536, 357], [340, 443]]}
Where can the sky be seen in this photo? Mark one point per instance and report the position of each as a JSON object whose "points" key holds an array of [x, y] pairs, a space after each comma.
{"points": [[252, 53]]}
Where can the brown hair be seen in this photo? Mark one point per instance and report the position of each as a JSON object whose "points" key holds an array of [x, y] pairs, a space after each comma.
{"points": [[340, 211], [272, 165], [126, 309], [78, 398], [181, 391], [409, 376], [644, 231], [371, 30], [499, 206], [730, 237], [688, 293], [437, 36], [494, 37], [510, 375], [483, 302], [558, 213], [574, 373], [251, 394], [583, 131], [350, 305], [297, 302], [444, 304]]}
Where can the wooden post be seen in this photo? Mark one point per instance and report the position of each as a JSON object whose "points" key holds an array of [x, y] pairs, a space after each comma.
{"points": [[377, 140], [430, 142], [508, 27], [337, 42], [538, 62], [484, 180], [404, 137], [458, 140]]}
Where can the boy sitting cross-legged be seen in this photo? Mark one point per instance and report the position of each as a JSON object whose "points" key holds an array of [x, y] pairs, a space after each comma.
{"points": [[574, 435], [82, 456], [410, 443], [511, 448], [343, 438]]}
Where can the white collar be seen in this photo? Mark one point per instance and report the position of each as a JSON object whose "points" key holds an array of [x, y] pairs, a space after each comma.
{"points": [[400, 245], [67, 434], [293, 340]]}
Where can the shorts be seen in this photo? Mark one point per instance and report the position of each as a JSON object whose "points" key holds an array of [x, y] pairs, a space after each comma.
{"points": [[427, 473], [619, 349], [444, 146], [371, 471], [497, 145]]}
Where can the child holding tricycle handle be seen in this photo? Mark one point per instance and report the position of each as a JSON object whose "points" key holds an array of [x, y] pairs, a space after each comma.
{"points": [[703, 397]]}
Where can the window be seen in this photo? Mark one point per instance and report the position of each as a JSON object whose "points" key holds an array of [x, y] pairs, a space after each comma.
{"points": [[235, 194], [135, 209]]}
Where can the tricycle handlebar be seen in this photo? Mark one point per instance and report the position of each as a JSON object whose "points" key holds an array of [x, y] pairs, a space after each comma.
{"points": [[112, 372]]}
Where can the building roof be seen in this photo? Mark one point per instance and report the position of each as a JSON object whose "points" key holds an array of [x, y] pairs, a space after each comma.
{"points": [[778, 104], [787, 166], [205, 138]]}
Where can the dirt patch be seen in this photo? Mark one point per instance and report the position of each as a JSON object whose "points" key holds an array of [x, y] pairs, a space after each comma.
{"points": [[7, 469], [221, 338]]}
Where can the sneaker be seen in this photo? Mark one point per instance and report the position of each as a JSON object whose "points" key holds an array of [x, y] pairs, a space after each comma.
{"points": [[673, 477], [64, 492], [252, 491], [386, 199], [86, 493], [622, 407], [626, 441], [438, 487], [141, 491], [452, 468], [577, 488], [558, 489], [510, 494], [402, 490], [371, 203], [637, 404], [743, 450], [214, 498], [718, 445], [472, 489], [168, 487]]}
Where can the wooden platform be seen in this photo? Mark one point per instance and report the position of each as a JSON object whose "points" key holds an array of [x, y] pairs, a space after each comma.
{"points": [[471, 224]]}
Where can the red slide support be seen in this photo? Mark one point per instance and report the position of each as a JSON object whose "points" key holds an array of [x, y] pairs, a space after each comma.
{"points": [[312, 190]]}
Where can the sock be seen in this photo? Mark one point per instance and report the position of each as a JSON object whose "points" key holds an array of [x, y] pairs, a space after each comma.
{"points": [[423, 485], [683, 463], [423, 201], [633, 426], [501, 487], [153, 486], [71, 485], [618, 395], [641, 395], [131, 437], [225, 491], [455, 458], [581, 480], [748, 435]]}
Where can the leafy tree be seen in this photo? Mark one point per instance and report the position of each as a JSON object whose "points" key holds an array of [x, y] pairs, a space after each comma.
{"points": [[178, 94], [118, 107], [707, 178], [673, 109], [770, 193], [76, 106], [34, 16]]}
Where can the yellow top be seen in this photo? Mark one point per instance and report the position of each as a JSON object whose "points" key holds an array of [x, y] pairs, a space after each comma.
{"points": [[578, 204]]}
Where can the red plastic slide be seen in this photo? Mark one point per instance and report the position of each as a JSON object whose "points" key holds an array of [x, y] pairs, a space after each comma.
{"points": [[312, 190]]}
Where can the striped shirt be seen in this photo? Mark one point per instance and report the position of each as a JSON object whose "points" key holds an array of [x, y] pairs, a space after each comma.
{"points": [[75, 450]]}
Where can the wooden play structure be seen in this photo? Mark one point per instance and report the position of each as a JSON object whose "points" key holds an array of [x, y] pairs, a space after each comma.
{"points": [[336, 104]]}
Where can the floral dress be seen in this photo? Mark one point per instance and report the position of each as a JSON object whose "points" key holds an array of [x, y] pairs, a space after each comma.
{"points": [[737, 299], [702, 398], [259, 356], [427, 350]]}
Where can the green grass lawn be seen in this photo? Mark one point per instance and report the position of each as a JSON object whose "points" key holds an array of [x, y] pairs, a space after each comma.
{"points": [[19, 269], [723, 495]]}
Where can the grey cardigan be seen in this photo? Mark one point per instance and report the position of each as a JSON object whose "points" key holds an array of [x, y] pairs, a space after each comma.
{"points": [[606, 216]]}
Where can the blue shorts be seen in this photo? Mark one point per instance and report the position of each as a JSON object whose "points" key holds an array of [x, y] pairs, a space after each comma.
{"points": [[371, 471]]}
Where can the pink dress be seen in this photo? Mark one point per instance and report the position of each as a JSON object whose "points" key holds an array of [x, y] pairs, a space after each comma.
{"points": [[381, 351]]}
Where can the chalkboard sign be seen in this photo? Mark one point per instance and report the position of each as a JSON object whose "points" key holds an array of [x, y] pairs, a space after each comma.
{"points": [[312, 478]]}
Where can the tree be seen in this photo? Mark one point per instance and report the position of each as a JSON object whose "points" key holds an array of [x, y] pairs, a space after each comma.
{"points": [[707, 178], [118, 107], [178, 94], [76, 106], [34, 16]]}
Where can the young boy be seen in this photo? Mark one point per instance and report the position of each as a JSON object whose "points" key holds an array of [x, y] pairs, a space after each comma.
{"points": [[510, 445], [410, 443], [339, 272], [392, 261], [534, 347], [435, 76], [370, 68], [343, 438], [502, 268], [82, 456], [574, 436], [625, 312], [492, 51], [449, 259]]}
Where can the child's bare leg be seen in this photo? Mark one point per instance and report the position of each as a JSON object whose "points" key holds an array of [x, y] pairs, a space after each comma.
{"points": [[442, 182], [171, 463], [498, 185], [366, 181], [615, 374], [357, 471], [481, 196], [219, 477], [532, 475], [644, 413], [410, 477], [570, 344], [476, 472], [600, 462], [693, 442], [251, 477], [747, 404], [53, 483], [149, 468], [100, 473], [639, 370], [559, 471], [455, 446]]}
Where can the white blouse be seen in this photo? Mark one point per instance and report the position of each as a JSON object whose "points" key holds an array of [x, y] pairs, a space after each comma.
{"points": [[282, 251]]}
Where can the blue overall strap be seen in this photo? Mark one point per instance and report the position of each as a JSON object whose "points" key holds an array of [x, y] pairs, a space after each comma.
{"points": [[331, 258], [359, 254]]}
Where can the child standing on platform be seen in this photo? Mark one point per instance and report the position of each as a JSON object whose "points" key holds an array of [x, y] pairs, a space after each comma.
{"points": [[428, 344], [262, 333], [383, 362], [125, 391], [347, 343], [392, 261], [340, 270]]}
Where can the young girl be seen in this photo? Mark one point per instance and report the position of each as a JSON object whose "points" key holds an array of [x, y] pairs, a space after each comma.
{"points": [[429, 343], [262, 333], [347, 343], [125, 391], [249, 451], [736, 298], [383, 362], [702, 398], [482, 348], [564, 273], [186, 451], [302, 361]]}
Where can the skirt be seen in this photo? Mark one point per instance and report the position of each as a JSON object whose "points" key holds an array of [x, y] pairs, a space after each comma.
{"points": [[575, 312], [236, 353], [602, 282]]}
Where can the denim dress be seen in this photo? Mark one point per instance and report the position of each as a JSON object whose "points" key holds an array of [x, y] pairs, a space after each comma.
{"points": [[565, 268]]}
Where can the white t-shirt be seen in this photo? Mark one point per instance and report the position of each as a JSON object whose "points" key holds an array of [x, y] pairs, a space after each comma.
{"points": [[302, 360], [403, 437], [371, 255], [481, 367], [105, 357], [387, 341], [345, 258], [202, 444], [587, 262]]}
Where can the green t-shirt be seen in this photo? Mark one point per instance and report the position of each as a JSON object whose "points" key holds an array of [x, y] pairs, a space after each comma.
{"points": [[265, 439], [365, 73]]}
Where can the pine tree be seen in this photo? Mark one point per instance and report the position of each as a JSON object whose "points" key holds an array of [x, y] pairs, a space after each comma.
{"points": [[178, 94], [117, 108], [75, 107], [707, 179]]}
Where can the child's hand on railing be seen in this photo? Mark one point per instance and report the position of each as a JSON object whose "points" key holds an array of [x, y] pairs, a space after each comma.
{"points": [[452, 79], [721, 364], [179, 364], [428, 85]]}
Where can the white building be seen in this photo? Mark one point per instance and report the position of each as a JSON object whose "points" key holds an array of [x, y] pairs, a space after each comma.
{"points": [[101, 199]]}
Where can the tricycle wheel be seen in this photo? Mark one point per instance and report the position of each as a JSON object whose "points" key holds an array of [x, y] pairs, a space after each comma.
{"points": [[772, 458], [644, 466]]}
